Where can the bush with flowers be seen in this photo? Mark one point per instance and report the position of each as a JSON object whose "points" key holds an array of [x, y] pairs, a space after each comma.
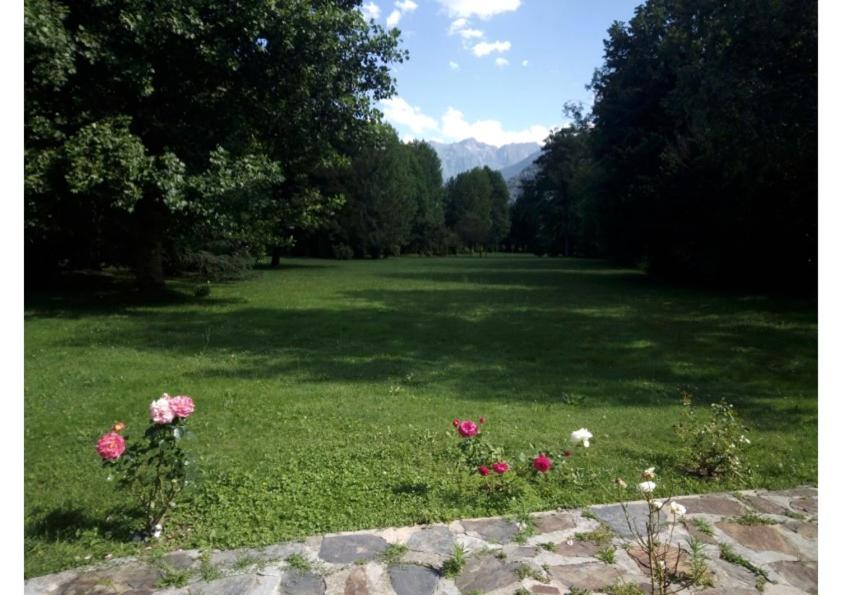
{"points": [[154, 467], [479, 456]]}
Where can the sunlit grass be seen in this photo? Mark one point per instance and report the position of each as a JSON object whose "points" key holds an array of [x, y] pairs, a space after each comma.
{"points": [[325, 389]]}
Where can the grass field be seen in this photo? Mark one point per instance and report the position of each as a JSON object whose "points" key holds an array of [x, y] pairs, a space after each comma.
{"points": [[325, 391]]}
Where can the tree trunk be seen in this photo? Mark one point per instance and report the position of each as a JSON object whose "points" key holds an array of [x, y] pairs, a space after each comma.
{"points": [[148, 244], [275, 257]]}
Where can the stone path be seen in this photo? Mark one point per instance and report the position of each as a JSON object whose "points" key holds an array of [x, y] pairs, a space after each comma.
{"points": [[768, 538]]}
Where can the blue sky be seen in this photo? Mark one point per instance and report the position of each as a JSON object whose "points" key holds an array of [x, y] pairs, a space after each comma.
{"points": [[496, 70]]}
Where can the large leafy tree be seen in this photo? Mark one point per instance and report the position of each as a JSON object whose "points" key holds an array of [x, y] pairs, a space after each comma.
{"points": [[154, 124], [476, 208], [705, 137]]}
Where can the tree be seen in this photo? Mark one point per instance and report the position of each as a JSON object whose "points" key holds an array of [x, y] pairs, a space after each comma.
{"points": [[705, 139], [428, 229], [476, 208], [137, 112]]}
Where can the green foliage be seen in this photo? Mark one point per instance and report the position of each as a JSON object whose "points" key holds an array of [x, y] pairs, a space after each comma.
{"points": [[207, 570], [607, 554], [173, 577], [148, 128], [729, 555], [713, 445], [525, 571], [476, 209], [155, 470], [298, 562], [703, 526], [624, 589], [602, 536], [453, 565], [699, 574], [393, 553], [752, 518]]}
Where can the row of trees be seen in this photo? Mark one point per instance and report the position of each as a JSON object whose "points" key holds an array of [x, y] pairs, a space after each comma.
{"points": [[699, 158], [158, 132]]}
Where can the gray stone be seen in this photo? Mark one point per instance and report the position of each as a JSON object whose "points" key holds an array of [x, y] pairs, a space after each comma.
{"points": [[180, 560], [408, 579], [109, 580], [242, 584], [590, 576], [614, 517], [296, 582], [763, 505], [801, 492], [803, 575], [720, 505], [547, 589], [485, 573], [557, 521], [346, 549], [433, 540], [805, 530], [758, 537], [498, 531], [576, 549]]}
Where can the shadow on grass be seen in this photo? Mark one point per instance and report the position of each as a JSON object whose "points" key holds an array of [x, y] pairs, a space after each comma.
{"points": [[510, 329], [72, 523]]}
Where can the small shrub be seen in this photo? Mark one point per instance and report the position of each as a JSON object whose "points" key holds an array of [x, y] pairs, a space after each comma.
{"points": [[607, 554], [342, 252], [298, 562], [217, 267], [393, 553], [202, 290], [699, 575], [453, 565], [752, 518], [703, 526], [713, 444]]}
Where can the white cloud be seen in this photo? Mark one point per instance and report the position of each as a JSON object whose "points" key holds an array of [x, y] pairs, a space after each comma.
{"points": [[454, 65], [405, 6], [483, 48], [525, 63], [501, 62], [454, 126], [480, 8], [370, 11], [460, 27], [393, 18], [398, 111]]}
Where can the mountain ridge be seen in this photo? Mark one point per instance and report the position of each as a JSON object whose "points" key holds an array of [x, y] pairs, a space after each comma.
{"points": [[466, 154]]}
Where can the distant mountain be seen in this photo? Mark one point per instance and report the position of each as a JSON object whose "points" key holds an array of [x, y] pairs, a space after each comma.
{"points": [[514, 170], [470, 153]]}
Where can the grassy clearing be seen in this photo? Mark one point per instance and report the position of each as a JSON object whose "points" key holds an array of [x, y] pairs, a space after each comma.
{"points": [[325, 390]]}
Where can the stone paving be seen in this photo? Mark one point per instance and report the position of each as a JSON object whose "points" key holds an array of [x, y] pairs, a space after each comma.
{"points": [[772, 534]]}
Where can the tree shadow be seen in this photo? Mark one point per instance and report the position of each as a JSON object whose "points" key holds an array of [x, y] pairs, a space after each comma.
{"points": [[72, 523]]}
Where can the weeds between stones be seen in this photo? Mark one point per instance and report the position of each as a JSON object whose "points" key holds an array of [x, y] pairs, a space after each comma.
{"points": [[453, 565]]}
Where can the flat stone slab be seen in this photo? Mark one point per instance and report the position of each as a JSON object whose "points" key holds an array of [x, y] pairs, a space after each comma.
{"points": [[557, 521], [499, 531], [432, 540], [805, 530], [807, 505], [409, 579], [764, 505], [589, 576], [576, 548], [485, 573], [302, 583], [347, 549], [758, 537], [803, 575], [119, 579], [719, 505], [614, 517]]}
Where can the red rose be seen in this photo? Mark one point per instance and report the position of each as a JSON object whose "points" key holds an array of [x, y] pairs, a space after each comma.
{"points": [[541, 463], [482, 420], [467, 428], [500, 467], [483, 471], [455, 423], [567, 453]]}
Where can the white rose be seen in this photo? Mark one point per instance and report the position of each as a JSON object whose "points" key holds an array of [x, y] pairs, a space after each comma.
{"points": [[648, 473], [677, 510], [581, 436], [647, 487]]}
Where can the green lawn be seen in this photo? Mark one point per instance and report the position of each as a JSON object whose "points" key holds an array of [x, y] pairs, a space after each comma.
{"points": [[325, 391]]}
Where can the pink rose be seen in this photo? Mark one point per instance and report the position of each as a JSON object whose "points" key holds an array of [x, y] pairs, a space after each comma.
{"points": [[483, 471], [500, 467], [467, 428], [541, 463], [182, 406], [111, 446], [160, 410]]}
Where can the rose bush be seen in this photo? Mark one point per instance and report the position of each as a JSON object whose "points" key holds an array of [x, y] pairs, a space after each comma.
{"points": [[154, 468]]}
